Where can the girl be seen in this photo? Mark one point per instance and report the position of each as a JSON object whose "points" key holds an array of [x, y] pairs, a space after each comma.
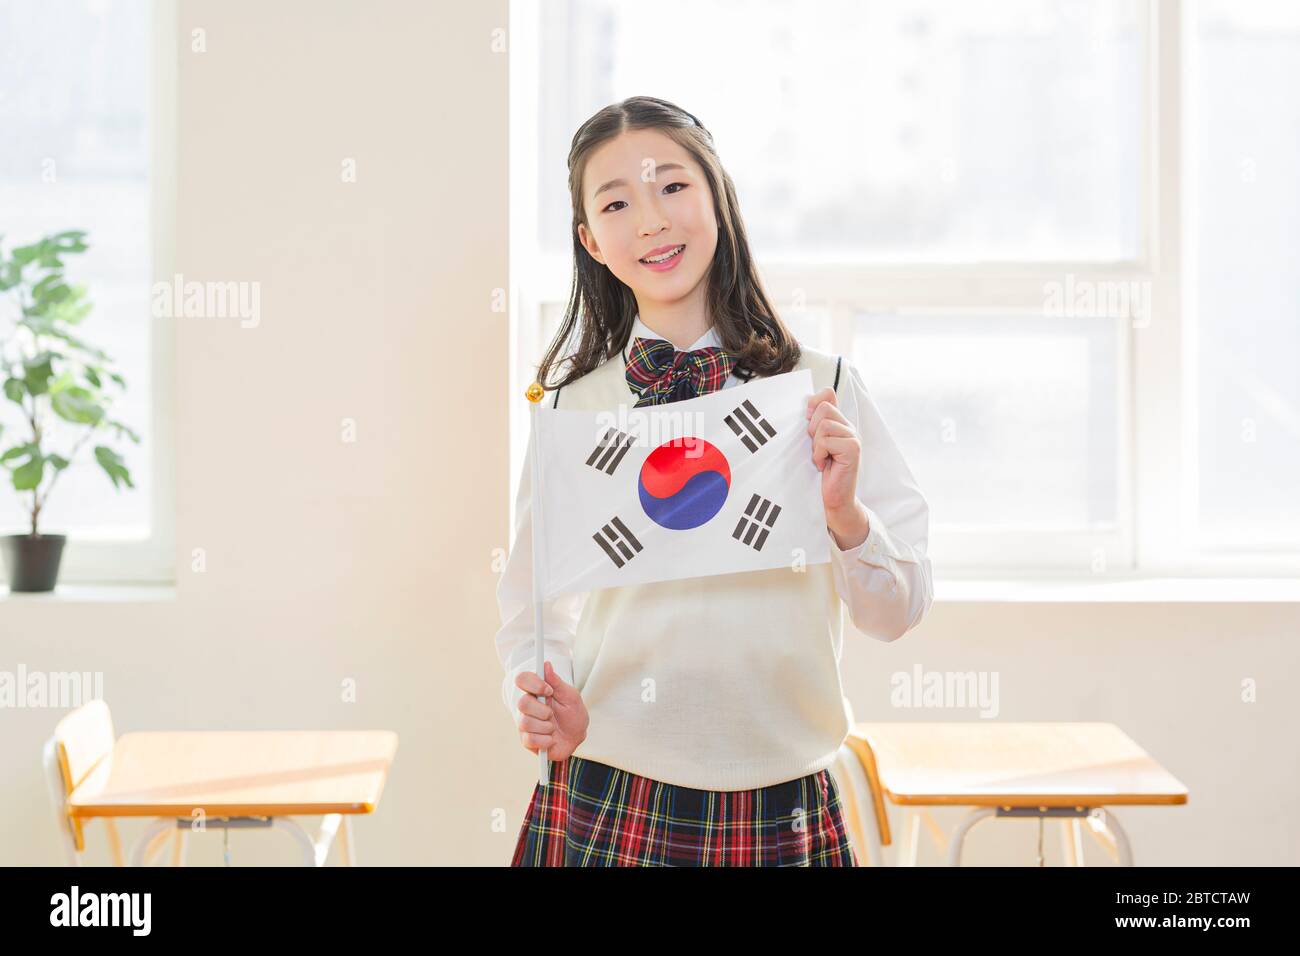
{"points": [[694, 722]]}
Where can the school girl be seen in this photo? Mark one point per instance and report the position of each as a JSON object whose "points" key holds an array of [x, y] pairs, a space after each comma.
{"points": [[693, 722]]}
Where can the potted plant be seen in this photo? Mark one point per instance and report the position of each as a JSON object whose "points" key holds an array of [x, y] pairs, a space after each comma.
{"points": [[49, 375]]}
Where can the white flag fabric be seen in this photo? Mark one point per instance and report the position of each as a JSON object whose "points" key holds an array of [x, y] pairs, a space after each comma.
{"points": [[718, 484]]}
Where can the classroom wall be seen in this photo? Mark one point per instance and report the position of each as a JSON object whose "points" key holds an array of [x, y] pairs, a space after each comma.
{"points": [[371, 561]]}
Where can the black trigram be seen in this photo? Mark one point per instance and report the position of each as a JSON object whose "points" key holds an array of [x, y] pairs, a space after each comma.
{"points": [[756, 522], [618, 542], [613, 446], [746, 422]]}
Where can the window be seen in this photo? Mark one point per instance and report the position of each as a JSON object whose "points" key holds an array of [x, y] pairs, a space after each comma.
{"points": [[996, 208], [988, 129], [82, 137], [1244, 272], [1014, 423]]}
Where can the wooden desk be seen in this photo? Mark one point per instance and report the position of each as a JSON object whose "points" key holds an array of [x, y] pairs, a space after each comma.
{"points": [[241, 779], [1070, 771]]}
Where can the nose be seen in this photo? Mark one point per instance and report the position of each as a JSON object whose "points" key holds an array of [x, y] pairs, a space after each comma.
{"points": [[653, 219]]}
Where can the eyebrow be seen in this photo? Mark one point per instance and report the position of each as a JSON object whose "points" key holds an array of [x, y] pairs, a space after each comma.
{"points": [[659, 167]]}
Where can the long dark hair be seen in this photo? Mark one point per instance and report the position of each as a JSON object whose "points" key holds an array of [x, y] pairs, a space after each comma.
{"points": [[601, 308]]}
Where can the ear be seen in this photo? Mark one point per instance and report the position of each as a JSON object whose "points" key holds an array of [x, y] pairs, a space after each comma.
{"points": [[584, 236]]}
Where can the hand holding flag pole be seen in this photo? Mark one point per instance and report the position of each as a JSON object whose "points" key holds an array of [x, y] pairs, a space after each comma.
{"points": [[535, 393]]}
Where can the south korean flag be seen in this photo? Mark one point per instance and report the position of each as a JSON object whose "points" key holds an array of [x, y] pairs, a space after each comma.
{"points": [[719, 484]]}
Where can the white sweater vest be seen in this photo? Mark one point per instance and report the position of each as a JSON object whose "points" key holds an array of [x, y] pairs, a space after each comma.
{"points": [[726, 682]]}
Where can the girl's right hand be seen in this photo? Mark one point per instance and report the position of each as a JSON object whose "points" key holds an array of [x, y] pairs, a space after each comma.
{"points": [[557, 726]]}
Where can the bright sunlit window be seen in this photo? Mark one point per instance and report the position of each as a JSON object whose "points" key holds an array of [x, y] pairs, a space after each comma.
{"points": [[76, 154]]}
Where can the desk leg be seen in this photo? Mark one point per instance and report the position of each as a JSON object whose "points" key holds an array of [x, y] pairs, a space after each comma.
{"points": [[315, 852], [1122, 848], [959, 834], [178, 847], [114, 841], [144, 845], [347, 847], [292, 827], [1072, 842], [907, 850], [1103, 818]]}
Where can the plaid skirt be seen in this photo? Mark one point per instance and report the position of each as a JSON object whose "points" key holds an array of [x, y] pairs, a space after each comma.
{"points": [[592, 814]]}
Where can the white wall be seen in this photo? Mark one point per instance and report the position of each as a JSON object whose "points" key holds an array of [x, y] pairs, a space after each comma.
{"points": [[329, 561]]}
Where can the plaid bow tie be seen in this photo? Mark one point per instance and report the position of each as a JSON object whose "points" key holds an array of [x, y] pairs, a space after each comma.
{"points": [[660, 374]]}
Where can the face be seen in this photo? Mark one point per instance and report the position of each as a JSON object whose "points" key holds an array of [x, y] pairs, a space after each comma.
{"points": [[644, 195]]}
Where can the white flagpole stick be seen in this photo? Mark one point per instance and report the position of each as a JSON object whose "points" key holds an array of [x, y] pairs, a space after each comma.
{"points": [[535, 394]]}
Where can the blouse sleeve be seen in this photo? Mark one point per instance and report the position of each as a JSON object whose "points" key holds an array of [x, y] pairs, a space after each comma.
{"points": [[887, 581], [515, 639]]}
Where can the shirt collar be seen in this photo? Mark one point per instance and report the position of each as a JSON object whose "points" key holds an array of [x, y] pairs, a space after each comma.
{"points": [[641, 330]]}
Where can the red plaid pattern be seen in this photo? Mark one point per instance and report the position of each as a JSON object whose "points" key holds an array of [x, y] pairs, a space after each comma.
{"points": [[592, 814], [660, 374]]}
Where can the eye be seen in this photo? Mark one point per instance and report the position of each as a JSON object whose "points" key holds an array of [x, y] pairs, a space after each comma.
{"points": [[669, 186]]}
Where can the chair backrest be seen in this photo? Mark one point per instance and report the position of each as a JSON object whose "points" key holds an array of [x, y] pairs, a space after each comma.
{"points": [[867, 760], [80, 741]]}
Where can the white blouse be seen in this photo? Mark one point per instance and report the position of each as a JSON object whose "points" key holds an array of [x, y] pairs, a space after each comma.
{"points": [[886, 582]]}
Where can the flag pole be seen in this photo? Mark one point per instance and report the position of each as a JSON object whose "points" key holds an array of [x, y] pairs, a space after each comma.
{"points": [[535, 393]]}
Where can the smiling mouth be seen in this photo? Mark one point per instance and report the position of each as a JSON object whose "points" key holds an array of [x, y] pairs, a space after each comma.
{"points": [[655, 260]]}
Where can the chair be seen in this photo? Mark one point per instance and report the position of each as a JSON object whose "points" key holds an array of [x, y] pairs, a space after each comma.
{"points": [[855, 775], [80, 741], [860, 791]]}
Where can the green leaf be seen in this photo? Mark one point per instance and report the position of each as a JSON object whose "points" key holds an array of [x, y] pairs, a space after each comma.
{"points": [[70, 241], [25, 254], [111, 462], [38, 373], [15, 389], [64, 381], [39, 324], [122, 429], [78, 405], [71, 308], [28, 476], [58, 461], [60, 303], [44, 325], [11, 273], [18, 451], [92, 377], [51, 289]]}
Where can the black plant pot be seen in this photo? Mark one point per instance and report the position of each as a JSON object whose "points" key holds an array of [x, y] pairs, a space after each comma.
{"points": [[32, 560]]}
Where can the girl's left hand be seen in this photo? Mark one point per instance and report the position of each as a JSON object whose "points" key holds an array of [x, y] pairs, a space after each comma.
{"points": [[837, 451]]}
